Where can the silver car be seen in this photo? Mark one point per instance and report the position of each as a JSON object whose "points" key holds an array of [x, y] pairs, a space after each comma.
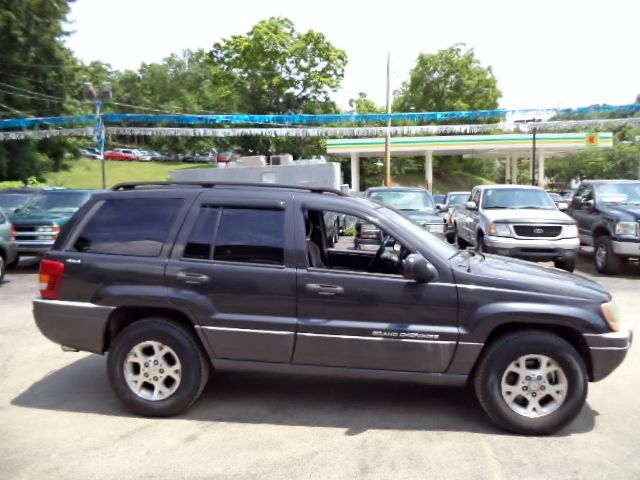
{"points": [[517, 221]]}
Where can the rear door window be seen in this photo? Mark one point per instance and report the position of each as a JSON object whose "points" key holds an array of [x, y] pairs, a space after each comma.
{"points": [[250, 236], [129, 226]]}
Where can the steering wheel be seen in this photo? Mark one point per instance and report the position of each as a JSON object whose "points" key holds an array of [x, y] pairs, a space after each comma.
{"points": [[379, 252]]}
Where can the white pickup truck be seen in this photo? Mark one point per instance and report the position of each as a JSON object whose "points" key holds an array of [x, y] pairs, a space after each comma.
{"points": [[517, 221]]}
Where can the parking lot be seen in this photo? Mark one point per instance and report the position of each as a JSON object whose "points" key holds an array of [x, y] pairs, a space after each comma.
{"points": [[59, 419]]}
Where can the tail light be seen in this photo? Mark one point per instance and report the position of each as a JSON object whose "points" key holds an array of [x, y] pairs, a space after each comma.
{"points": [[51, 273]]}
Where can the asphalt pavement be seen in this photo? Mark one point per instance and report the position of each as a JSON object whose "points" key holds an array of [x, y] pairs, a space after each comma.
{"points": [[59, 419]]}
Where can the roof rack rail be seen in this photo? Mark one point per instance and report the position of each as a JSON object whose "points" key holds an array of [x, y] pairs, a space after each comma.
{"points": [[133, 185]]}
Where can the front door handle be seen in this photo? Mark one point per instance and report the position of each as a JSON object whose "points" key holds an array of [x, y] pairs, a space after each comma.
{"points": [[192, 278], [326, 290]]}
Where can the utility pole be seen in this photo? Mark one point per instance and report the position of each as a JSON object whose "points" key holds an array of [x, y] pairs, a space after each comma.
{"points": [[387, 138], [99, 100]]}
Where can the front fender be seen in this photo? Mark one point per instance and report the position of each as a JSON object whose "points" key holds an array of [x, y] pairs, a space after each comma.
{"points": [[480, 323]]}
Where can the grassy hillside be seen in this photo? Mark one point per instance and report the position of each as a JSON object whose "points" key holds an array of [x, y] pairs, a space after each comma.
{"points": [[449, 182], [85, 173]]}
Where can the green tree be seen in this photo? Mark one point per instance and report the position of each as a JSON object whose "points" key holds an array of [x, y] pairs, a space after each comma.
{"points": [[277, 69], [451, 79], [35, 68], [363, 104]]}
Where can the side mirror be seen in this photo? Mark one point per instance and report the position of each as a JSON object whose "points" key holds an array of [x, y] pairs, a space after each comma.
{"points": [[588, 205], [471, 206], [562, 206], [17, 210], [441, 207], [415, 267]]}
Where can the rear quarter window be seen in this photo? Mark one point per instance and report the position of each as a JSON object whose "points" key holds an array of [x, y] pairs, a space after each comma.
{"points": [[129, 226]]}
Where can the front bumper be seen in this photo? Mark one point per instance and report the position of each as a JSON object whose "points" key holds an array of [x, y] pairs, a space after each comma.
{"points": [[626, 249], [79, 325], [607, 351], [539, 249], [12, 251]]}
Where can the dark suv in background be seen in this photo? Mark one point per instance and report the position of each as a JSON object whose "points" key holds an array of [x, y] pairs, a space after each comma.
{"points": [[39, 222], [607, 213], [175, 279]]}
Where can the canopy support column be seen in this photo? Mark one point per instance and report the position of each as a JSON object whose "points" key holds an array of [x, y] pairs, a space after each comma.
{"points": [[355, 172], [428, 169], [541, 168], [507, 170], [514, 169]]}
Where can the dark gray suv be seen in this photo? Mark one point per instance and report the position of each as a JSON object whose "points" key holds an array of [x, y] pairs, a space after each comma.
{"points": [[173, 280]]}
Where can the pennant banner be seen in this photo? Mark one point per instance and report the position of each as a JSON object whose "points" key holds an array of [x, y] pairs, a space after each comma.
{"points": [[305, 132], [569, 125], [303, 119], [339, 132], [37, 134]]}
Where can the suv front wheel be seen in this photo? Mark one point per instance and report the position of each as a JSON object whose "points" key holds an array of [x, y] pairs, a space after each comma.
{"points": [[532, 383], [606, 260], [157, 368]]}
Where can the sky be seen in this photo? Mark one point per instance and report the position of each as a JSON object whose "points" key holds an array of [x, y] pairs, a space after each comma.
{"points": [[545, 54]]}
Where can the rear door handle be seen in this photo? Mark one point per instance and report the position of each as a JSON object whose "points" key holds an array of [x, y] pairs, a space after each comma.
{"points": [[193, 278], [326, 290]]}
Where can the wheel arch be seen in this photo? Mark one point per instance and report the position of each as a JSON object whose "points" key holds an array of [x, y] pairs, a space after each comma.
{"points": [[124, 316], [570, 335]]}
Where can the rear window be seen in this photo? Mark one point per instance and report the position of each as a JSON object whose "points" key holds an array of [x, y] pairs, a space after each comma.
{"points": [[129, 226]]}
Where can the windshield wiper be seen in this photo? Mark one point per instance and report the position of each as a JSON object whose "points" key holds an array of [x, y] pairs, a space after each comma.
{"points": [[497, 206], [533, 207]]}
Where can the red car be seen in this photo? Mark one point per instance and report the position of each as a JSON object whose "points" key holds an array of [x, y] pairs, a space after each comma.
{"points": [[120, 155]]}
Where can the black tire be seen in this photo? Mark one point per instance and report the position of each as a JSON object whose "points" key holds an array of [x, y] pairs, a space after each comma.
{"points": [[462, 244], [194, 365], [606, 261], [3, 266], [500, 354], [568, 264], [480, 246], [14, 264]]}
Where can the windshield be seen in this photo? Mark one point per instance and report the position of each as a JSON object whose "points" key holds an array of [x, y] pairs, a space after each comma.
{"points": [[62, 202], [11, 201], [619, 193], [457, 199], [424, 237], [518, 198], [404, 200]]}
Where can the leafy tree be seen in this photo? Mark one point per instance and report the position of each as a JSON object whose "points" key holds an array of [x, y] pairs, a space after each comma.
{"points": [[620, 161], [277, 69], [451, 79], [363, 104], [33, 58]]}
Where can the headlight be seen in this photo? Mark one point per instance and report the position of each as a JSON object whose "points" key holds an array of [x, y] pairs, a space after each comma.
{"points": [[436, 227], [610, 313], [627, 228], [570, 231], [499, 230]]}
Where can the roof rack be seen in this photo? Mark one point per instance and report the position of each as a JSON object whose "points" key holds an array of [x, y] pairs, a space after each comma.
{"points": [[133, 185]]}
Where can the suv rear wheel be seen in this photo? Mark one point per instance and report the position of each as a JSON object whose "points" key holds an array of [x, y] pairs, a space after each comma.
{"points": [[157, 368], [532, 383]]}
